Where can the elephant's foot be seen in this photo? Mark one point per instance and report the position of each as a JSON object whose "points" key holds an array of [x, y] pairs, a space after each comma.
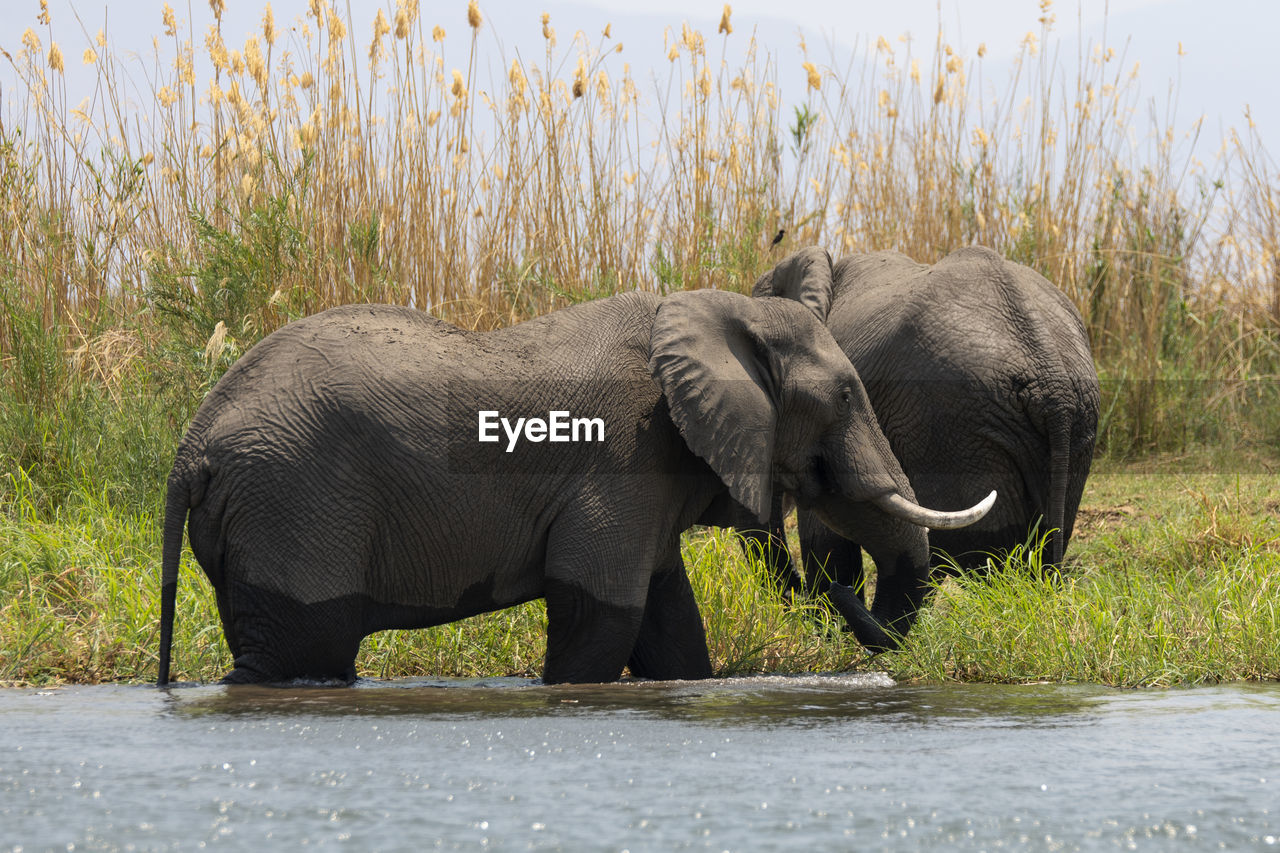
{"points": [[250, 671], [281, 639]]}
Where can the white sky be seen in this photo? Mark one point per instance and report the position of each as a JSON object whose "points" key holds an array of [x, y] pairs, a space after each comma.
{"points": [[1229, 56]]}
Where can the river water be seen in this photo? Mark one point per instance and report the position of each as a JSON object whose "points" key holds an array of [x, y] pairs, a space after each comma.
{"points": [[740, 764]]}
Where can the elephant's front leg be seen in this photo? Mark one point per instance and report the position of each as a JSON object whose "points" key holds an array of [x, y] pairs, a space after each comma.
{"points": [[588, 638], [771, 544], [828, 557], [597, 581], [672, 643]]}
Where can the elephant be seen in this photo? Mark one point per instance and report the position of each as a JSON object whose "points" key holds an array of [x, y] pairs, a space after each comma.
{"points": [[979, 371], [358, 470]]}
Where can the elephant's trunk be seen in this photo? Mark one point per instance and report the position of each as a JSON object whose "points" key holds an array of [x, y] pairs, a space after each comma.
{"points": [[902, 584], [897, 603], [896, 505], [870, 633]]}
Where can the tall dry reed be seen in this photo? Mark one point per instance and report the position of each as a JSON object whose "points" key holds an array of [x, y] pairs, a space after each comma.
{"points": [[351, 162]]}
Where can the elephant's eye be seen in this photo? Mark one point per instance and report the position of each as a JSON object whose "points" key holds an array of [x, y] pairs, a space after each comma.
{"points": [[845, 400]]}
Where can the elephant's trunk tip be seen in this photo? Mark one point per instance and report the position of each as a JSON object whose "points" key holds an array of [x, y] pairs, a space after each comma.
{"points": [[873, 635]]}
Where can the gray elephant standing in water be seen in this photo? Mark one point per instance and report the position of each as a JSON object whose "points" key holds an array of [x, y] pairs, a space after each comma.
{"points": [[359, 470], [980, 374]]}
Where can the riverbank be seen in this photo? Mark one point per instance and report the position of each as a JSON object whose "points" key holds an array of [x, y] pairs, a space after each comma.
{"points": [[140, 260], [1172, 579]]}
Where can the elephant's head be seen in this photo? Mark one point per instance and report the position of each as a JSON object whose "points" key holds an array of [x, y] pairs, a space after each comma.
{"points": [[761, 391]]}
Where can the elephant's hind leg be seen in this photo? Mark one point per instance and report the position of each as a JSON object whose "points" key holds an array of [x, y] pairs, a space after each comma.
{"points": [[279, 639], [672, 643]]}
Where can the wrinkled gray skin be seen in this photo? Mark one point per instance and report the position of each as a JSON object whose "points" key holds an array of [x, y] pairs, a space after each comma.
{"points": [[336, 486], [980, 374]]}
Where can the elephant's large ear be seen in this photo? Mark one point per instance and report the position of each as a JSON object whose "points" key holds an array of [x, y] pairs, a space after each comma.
{"points": [[804, 276], [722, 384]]}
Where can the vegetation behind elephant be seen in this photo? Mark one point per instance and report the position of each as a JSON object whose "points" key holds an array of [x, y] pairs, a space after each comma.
{"points": [[980, 373], [338, 479]]}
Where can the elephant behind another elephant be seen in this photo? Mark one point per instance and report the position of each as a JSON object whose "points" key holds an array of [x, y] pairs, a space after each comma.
{"points": [[979, 371]]}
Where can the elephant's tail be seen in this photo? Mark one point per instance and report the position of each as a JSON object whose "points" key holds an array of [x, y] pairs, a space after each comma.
{"points": [[1059, 481], [175, 521]]}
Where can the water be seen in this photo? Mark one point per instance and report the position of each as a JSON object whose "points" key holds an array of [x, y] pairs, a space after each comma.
{"points": [[742, 764]]}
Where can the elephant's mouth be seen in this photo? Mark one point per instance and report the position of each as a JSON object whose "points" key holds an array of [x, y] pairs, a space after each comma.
{"points": [[819, 483]]}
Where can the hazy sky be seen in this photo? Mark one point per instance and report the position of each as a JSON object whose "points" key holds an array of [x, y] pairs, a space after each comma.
{"points": [[1228, 62]]}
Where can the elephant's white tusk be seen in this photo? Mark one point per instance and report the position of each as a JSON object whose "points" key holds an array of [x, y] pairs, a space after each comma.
{"points": [[896, 505]]}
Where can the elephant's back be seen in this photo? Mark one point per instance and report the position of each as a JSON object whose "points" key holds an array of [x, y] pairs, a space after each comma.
{"points": [[278, 446], [1023, 294], [344, 434], [1033, 335], [265, 391], [387, 367], [346, 344], [970, 312]]}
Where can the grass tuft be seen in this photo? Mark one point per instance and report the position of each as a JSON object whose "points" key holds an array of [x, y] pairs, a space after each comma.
{"points": [[1187, 596]]}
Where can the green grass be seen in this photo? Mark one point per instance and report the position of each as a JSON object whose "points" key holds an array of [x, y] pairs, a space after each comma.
{"points": [[1176, 581], [79, 592]]}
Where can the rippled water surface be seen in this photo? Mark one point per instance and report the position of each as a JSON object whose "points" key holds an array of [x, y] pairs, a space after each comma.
{"points": [[742, 764]]}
